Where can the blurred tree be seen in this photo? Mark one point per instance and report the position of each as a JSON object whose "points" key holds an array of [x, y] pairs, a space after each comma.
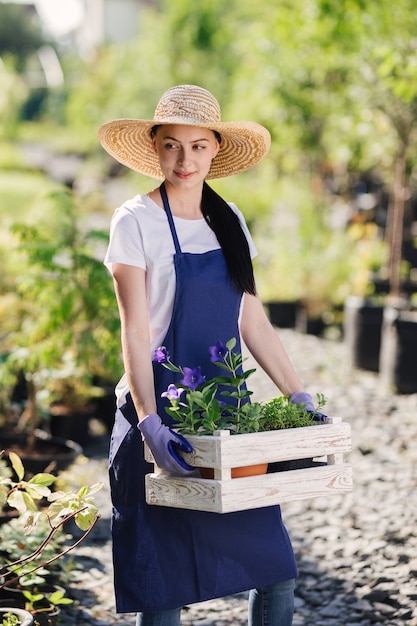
{"points": [[333, 80], [20, 32]]}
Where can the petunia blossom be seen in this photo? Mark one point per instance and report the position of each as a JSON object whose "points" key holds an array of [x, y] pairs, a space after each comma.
{"points": [[192, 377], [172, 393], [218, 352], [160, 355]]}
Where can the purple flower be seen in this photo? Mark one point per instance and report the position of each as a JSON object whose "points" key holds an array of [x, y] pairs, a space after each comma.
{"points": [[192, 377], [218, 352], [160, 355], [172, 393]]}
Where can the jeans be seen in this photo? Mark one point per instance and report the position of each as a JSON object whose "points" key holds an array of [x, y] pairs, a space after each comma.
{"points": [[268, 606], [273, 605]]}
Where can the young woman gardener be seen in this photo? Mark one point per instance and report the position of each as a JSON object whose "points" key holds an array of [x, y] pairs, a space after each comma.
{"points": [[181, 260]]}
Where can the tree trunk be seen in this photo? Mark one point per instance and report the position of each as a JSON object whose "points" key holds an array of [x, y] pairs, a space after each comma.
{"points": [[395, 225]]}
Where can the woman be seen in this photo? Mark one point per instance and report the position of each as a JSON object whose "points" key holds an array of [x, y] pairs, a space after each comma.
{"points": [[180, 257]]}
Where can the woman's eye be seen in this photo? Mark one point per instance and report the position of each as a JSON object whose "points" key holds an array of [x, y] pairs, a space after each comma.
{"points": [[171, 146]]}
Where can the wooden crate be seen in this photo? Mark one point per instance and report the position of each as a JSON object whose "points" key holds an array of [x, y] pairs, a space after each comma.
{"points": [[325, 442]]}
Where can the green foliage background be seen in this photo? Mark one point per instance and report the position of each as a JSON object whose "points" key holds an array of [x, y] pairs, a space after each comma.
{"points": [[335, 82]]}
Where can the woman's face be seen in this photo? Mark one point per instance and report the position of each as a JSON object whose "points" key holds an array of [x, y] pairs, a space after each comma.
{"points": [[185, 153]]}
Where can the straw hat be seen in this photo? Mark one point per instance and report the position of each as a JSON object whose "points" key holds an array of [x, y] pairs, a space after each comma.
{"points": [[243, 144]]}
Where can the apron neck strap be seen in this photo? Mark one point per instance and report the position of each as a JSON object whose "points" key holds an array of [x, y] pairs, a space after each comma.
{"points": [[170, 218]]}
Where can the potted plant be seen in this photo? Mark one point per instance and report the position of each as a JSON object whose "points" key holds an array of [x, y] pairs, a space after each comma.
{"points": [[389, 93], [363, 309], [306, 259], [279, 277], [69, 321], [70, 398], [230, 432], [45, 607], [34, 501], [222, 402], [13, 616]]}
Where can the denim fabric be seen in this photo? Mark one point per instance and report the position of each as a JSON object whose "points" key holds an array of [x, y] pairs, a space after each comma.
{"points": [[273, 605], [268, 606], [159, 618]]}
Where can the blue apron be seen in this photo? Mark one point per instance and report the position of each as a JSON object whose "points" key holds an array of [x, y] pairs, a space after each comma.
{"points": [[163, 557]]}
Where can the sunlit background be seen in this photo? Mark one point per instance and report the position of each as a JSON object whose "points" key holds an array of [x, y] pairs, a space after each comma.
{"points": [[332, 208]]}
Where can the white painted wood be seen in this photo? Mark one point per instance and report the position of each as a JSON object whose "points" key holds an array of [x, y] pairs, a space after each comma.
{"points": [[222, 473], [223, 451], [225, 496], [267, 447]]}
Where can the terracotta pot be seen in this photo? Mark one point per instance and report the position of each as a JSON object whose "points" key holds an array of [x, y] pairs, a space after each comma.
{"points": [[238, 472]]}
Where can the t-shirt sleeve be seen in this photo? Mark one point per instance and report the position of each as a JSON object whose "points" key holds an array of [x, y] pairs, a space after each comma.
{"points": [[126, 242], [252, 248]]}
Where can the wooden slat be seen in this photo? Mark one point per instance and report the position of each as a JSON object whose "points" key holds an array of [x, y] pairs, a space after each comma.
{"points": [[267, 447], [224, 496]]}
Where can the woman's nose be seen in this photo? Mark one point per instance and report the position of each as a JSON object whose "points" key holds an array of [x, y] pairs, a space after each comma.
{"points": [[183, 156]]}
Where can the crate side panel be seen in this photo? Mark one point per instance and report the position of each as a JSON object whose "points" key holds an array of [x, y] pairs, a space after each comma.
{"points": [[226, 496], [266, 447], [281, 487], [183, 493]]}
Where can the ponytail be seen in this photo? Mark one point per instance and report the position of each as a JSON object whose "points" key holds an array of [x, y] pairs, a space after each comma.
{"points": [[226, 226]]}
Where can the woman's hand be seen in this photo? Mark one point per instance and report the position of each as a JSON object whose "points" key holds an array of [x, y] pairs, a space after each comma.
{"points": [[165, 445], [306, 400]]}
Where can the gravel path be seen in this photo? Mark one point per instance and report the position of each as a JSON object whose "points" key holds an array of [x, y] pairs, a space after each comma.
{"points": [[357, 554]]}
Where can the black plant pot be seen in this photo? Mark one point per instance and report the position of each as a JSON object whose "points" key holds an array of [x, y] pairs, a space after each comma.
{"points": [[69, 423], [7, 598], [48, 616], [40, 451], [307, 324], [293, 464], [398, 361], [281, 314], [362, 331], [106, 407]]}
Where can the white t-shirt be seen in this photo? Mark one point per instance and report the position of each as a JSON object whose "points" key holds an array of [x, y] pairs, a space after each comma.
{"points": [[140, 236]]}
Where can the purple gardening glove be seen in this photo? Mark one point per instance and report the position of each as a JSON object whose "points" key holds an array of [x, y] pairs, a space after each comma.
{"points": [[305, 399], [165, 444]]}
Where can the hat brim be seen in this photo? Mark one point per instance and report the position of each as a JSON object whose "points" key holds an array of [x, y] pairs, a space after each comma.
{"points": [[129, 141]]}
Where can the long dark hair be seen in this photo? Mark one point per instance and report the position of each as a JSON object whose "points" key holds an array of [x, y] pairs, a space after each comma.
{"points": [[226, 226]]}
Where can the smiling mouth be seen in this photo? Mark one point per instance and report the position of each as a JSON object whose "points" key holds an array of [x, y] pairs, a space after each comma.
{"points": [[183, 175]]}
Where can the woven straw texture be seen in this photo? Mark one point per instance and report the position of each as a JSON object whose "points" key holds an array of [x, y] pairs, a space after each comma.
{"points": [[129, 141]]}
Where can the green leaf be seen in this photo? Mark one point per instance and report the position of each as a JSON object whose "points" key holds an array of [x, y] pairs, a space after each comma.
{"points": [[33, 597], [31, 522], [3, 495], [16, 501], [38, 492], [57, 597], [222, 366], [17, 465], [248, 373], [231, 344], [42, 479], [29, 502], [84, 519]]}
